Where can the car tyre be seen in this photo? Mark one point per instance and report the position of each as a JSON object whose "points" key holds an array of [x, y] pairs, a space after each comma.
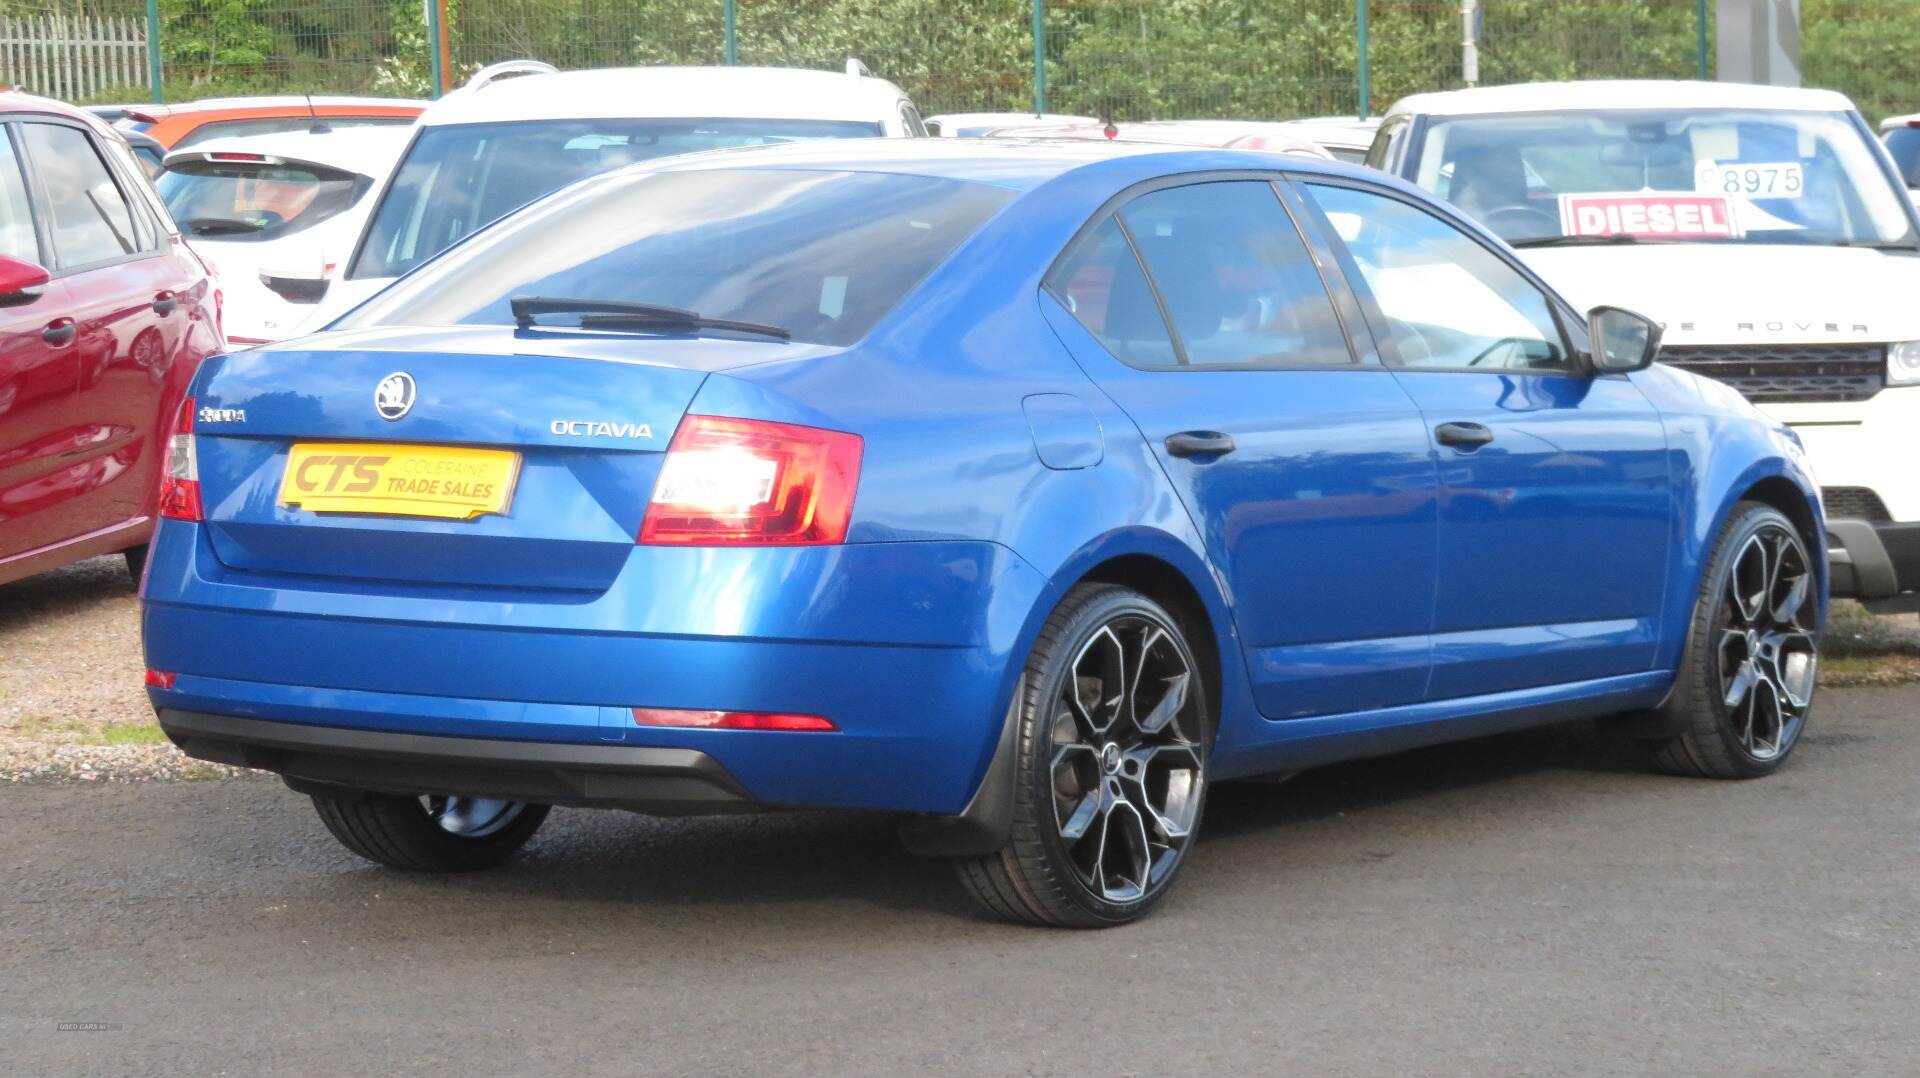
{"points": [[1110, 769], [1746, 681], [136, 562], [429, 834]]}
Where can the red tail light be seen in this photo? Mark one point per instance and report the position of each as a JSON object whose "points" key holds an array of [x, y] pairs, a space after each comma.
{"points": [[180, 486], [730, 720], [744, 482]]}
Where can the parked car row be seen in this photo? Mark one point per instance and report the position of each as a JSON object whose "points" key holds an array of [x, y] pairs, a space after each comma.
{"points": [[745, 452]]}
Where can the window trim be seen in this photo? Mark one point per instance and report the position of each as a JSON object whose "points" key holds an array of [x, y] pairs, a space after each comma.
{"points": [[1360, 358], [55, 265], [1580, 363], [29, 182]]}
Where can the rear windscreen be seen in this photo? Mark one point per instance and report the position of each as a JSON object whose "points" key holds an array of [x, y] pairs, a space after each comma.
{"points": [[456, 178], [246, 201], [1904, 144], [822, 254]]}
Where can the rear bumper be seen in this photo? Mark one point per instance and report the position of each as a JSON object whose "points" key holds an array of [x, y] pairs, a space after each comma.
{"points": [[642, 778], [1876, 563], [907, 647]]}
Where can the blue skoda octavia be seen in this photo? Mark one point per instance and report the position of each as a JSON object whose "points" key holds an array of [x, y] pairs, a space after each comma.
{"points": [[1023, 490]]}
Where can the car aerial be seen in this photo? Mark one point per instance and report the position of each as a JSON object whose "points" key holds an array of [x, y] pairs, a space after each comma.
{"points": [[274, 213], [104, 316], [519, 130], [1902, 137], [1762, 225], [1024, 488], [978, 124], [181, 125]]}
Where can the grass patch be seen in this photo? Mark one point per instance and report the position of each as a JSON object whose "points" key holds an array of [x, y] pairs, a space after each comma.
{"points": [[128, 733], [1841, 671]]}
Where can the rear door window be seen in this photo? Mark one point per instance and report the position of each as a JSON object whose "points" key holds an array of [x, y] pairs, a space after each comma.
{"points": [[1101, 282], [458, 177], [1235, 277], [222, 200], [89, 216]]}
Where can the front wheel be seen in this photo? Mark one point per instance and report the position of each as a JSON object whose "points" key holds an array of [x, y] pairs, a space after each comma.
{"points": [[429, 834], [1746, 681], [1111, 767]]}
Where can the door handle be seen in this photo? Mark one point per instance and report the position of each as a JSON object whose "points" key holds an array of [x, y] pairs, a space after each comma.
{"points": [[59, 331], [165, 302], [1199, 443], [1463, 435]]}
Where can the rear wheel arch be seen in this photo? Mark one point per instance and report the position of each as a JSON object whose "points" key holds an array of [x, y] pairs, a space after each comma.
{"points": [[1152, 563]]}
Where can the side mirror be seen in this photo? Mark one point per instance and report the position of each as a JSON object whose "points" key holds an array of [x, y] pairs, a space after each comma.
{"points": [[20, 281], [1622, 340]]}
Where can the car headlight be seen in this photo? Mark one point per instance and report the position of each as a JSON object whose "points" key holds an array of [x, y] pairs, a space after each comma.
{"points": [[1903, 363]]}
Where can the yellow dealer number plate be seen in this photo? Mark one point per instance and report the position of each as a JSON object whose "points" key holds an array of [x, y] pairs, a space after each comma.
{"points": [[448, 482]]}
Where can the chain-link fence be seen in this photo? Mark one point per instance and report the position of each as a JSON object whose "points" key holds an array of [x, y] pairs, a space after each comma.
{"points": [[1121, 59]]}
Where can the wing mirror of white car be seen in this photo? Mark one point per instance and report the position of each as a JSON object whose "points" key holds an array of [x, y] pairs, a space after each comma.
{"points": [[1622, 340], [20, 281]]}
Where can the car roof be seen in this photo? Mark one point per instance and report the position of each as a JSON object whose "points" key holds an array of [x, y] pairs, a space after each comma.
{"points": [[279, 101], [16, 101], [1013, 163], [1911, 119], [369, 151], [1618, 94], [758, 92]]}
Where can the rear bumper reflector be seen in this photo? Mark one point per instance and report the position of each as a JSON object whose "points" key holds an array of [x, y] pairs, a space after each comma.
{"points": [[729, 720]]}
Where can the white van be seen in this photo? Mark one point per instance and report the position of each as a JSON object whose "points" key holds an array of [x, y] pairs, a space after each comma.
{"points": [[520, 130], [1764, 226]]}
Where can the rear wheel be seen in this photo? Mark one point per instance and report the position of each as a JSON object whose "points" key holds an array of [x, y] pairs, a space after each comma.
{"points": [[136, 561], [429, 834], [1111, 767], [1746, 682]]}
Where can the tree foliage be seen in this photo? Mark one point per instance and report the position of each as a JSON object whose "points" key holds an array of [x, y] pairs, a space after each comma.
{"points": [[1126, 59]]}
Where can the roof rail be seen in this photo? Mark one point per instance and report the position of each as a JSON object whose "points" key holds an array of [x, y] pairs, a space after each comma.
{"points": [[858, 70], [507, 69]]}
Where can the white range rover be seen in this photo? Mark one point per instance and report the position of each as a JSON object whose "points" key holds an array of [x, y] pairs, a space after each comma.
{"points": [[1764, 226]]}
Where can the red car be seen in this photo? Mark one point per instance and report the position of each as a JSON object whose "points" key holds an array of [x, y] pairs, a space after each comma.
{"points": [[104, 315]]}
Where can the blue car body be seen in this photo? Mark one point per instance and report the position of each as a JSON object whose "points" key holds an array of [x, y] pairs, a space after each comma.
{"points": [[1354, 587]]}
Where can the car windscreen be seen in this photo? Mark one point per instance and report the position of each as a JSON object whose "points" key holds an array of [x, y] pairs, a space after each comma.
{"points": [[457, 177], [1904, 144], [1719, 175], [824, 255], [222, 200]]}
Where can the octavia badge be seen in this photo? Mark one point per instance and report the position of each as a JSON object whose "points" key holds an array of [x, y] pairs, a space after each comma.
{"points": [[393, 397]]}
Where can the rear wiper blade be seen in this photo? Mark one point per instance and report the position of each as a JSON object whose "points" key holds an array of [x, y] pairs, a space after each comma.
{"points": [[208, 226], [614, 313], [1579, 241]]}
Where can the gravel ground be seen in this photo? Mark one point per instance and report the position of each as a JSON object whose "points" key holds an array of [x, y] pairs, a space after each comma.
{"points": [[72, 707], [71, 702]]}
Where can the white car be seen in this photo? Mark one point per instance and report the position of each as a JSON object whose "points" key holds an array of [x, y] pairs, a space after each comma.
{"points": [[978, 124], [1762, 225], [273, 213], [521, 130], [1347, 138]]}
